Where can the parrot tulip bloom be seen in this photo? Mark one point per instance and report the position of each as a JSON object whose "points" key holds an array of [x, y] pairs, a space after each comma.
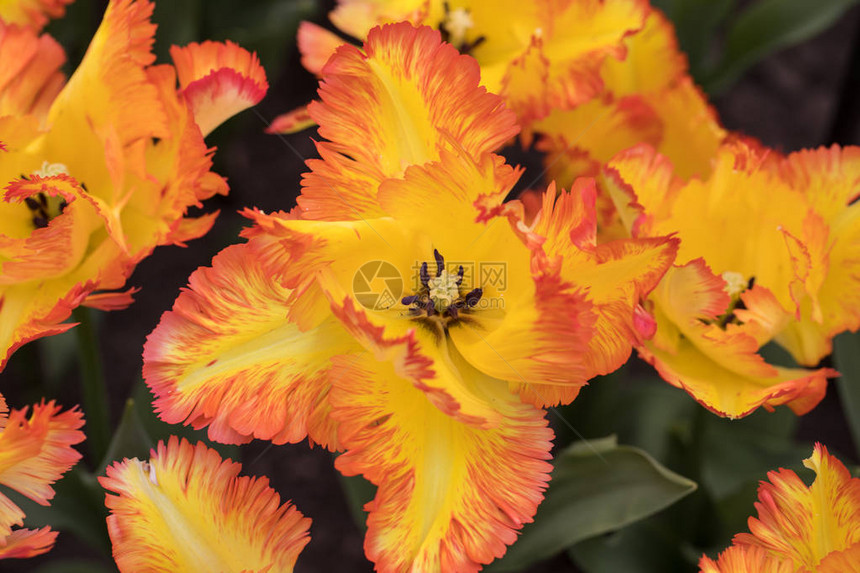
{"points": [[784, 268], [35, 451], [186, 509], [548, 58], [404, 313], [799, 529], [102, 171]]}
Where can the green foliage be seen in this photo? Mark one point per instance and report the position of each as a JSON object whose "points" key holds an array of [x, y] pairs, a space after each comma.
{"points": [[749, 35], [596, 487], [846, 359]]}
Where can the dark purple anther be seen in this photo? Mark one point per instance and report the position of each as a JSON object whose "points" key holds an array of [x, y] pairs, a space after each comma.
{"points": [[407, 300], [425, 276], [460, 274], [430, 308], [473, 297], [32, 203], [440, 263]]}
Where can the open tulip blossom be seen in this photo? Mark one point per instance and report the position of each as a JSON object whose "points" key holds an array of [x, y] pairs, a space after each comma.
{"points": [[435, 388]]}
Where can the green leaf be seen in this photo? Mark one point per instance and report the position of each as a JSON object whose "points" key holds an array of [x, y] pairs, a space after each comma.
{"points": [[736, 452], [696, 22], [596, 487], [846, 358], [130, 439], [643, 547], [769, 25]]}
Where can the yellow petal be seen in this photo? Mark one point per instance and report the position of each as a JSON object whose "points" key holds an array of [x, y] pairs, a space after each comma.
{"points": [[451, 496], [239, 354], [187, 510], [32, 13], [382, 111]]}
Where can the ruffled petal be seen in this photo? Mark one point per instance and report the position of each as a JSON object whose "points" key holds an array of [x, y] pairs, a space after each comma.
{"points": [[316, 45], [746, 559], [811, 528], [384, 109], [699, 349], [616, 275], [186, 509], [35, 451], [244, 355], [451, 497], [30, 77], [25, 543], [218, 80]]}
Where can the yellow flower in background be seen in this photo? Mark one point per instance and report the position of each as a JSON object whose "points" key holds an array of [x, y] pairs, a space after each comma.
{"points": [[35, 451], [32, 13], [648, 97], [536, 55], [768, 252], [407, 315], [186, 510], [100, 172], [800, 528]]}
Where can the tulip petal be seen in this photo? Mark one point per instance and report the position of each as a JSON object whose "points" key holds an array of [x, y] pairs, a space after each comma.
{"points": [[186, 509], [239, 353], [383, 110], [218, 80], [451, 497], [35, 451], [25, 543]]}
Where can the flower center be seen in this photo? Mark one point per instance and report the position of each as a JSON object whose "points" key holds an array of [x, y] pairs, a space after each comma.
{"points": [[43, 207], [444, 290], [441, 296], [454, 28]]}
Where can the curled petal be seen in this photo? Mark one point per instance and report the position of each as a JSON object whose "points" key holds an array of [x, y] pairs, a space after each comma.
{"points": [[719, 364], [316, 45], [239, 353], [451, 497], [35, 451], [186, 509], [30, 77], [24, 543], [292, 121], [810, 528], [384, 109], [218, 80]]}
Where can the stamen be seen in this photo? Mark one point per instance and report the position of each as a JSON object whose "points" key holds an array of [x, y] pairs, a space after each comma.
{"points": [[735, 283], [425, 275], [474, 296], [440, 262]]}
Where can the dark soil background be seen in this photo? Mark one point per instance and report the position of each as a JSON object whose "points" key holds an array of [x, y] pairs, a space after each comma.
{"points": [[801, 97]]}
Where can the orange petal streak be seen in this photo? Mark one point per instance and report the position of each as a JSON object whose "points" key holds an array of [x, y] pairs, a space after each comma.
{"points": [[186, 509], [391, 107], [451, 497], [35, 451], [232, 355]]}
